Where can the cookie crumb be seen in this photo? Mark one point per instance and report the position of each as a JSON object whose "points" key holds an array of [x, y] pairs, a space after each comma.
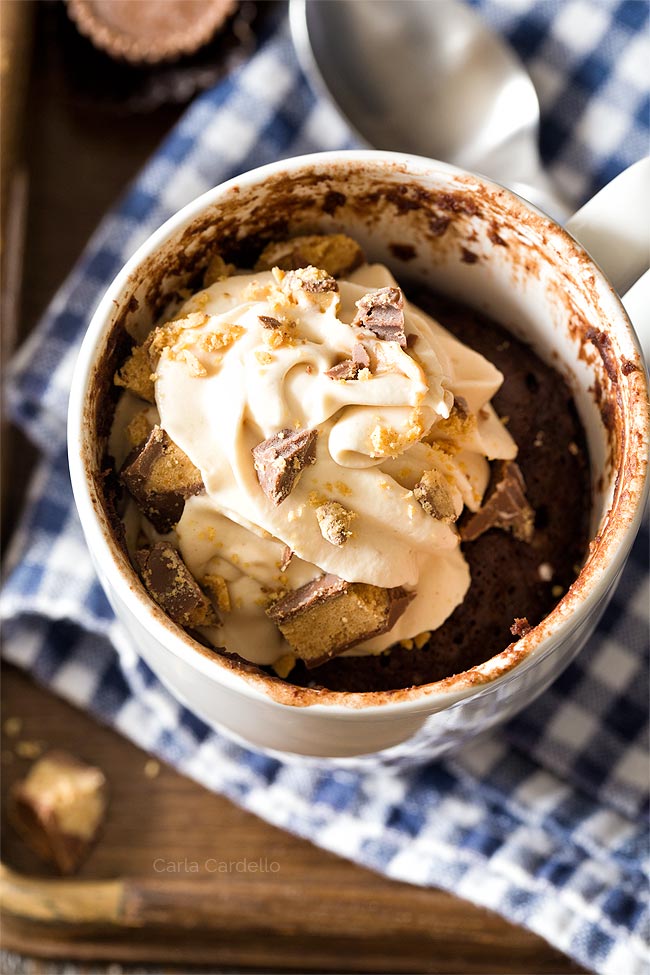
{"points": [[28, 749], [151, 769], [284, 665], [334, 522], [520, 627], [12, 727]]}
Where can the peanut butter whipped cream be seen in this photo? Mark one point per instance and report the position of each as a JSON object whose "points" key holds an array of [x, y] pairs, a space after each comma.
{"points": [[324, 429]]}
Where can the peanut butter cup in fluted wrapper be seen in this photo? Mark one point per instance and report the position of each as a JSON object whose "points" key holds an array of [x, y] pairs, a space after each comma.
{"points": [[150, 31]]}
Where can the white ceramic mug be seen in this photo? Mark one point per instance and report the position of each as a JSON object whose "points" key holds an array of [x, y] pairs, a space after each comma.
{"points": [[530, 275]]}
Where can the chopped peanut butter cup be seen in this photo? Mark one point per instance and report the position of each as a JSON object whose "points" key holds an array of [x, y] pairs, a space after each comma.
{"points": [[334, 253], [382, 312], [506, 506], [311, 280], [329, 615], [280, 460], [160, 477], [136, 374], [217, 587], [58, 808], [460, 422], [350, 368], [287, 556], [171, 584], [432, 491], [139, 428], [217, 270], [267, 321]]}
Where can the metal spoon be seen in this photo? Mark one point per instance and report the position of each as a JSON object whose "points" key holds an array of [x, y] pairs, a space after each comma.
{"points": [[427, 76]]}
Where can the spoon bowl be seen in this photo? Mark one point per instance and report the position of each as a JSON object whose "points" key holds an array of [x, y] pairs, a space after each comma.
{"points": [[428, 78]]}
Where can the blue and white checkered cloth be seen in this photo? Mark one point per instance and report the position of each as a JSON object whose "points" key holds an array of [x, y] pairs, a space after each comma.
{"points": [[544, 821]]}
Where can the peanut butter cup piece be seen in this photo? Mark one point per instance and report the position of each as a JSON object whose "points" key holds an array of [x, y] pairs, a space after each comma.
{"points": [[360, 355], [268, 321], [160, 477], [311, 280], [350, 368], [217, 270], [285, 561], [382, 312], [280, 460], [344, 371], [432, 492], [460, 422], [139, 428], [136, 374], [506, 506], [329, 615], [334, 253], [171, 584], [58, 808], [217, 588]]}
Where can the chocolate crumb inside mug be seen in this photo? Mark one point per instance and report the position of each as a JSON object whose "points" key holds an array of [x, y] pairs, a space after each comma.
{"points": [[421, 218]]}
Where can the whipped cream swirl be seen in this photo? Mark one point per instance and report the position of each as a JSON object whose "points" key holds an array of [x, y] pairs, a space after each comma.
{"points": [[249, 356]]}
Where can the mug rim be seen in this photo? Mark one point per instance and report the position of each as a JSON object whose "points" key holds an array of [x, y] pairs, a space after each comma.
{"points": [[607, 551]]}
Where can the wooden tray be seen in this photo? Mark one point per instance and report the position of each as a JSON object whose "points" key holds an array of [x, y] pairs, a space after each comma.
{"points": [[150, 891]]}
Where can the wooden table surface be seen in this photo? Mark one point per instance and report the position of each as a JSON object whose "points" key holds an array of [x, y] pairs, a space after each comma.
{"points": [[318, 912]]}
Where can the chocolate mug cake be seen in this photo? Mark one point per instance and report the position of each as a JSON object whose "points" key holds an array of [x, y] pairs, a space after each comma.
{"points": [[342, 479]]}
